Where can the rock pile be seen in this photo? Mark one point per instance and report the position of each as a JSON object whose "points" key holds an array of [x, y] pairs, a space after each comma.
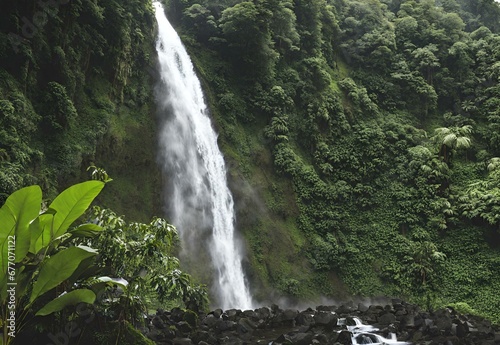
{"points": [[323, 325]]}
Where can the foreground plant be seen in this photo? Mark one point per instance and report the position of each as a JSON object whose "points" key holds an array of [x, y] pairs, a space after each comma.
{"points": [[142, 255], [49, 263], [36, 254]]}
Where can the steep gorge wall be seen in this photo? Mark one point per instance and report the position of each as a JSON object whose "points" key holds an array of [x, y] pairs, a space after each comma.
{"points": [[334, 130], [76, 88]]}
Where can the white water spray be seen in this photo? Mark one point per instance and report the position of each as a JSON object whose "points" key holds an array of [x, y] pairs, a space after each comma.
{"points": [[199, 197]]}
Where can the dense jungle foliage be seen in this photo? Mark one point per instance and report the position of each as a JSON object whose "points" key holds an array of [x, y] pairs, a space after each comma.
{"points": [[362, 136], [76, 83], [77, 272], [366, 133]]}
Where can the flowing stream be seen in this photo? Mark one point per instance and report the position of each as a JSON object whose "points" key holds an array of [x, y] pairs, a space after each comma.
{"points": [[199, 201]]}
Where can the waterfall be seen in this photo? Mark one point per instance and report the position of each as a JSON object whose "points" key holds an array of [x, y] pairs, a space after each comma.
{"points": [[199, 201]]}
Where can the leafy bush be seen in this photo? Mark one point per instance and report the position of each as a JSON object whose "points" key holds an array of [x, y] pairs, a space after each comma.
{"points": [[44, 258]]}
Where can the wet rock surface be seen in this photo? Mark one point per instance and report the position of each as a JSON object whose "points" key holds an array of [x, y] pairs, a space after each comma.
{"points": [[322, 325]]}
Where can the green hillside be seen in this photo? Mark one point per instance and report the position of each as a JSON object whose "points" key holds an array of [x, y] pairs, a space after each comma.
{"points": [[361, 138]]}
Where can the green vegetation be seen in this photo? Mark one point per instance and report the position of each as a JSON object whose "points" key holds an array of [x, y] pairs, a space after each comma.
{"points": [[60, 263], [368, 132], [362, 139], [75, 89]]}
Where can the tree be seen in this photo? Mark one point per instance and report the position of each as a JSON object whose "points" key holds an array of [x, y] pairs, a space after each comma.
{"points": [[309, 25], [246, 29], [282, 25], [481, 200], [452, 139], [424, 258], [426, 60], [60, 113], [428, 165], [461, 61], [142, 255], [453, 26], [425, 261], [198, 18]]}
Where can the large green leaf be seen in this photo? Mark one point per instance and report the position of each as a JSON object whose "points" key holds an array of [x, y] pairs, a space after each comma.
{"points": [[19, 210], [72, 203], [86, 269], [41, 232], [66, 208], [70, 298], [58, 268], [86, 230]]}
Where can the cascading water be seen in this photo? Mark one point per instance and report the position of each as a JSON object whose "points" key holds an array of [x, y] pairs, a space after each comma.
{"points": [[199, 200]]}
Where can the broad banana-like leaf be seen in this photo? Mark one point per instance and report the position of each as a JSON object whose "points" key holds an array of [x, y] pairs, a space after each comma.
{"points": [[41, 231], [19, 210], [86, 269], [58, 268], [86, 230], [67, 207], [67, 299]]}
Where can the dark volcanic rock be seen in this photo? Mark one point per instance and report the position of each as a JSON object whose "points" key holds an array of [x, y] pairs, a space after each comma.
{"points": [[302, 338], [387, 318], [323, 318], [285, 317], [320, 326], [305, 318]]}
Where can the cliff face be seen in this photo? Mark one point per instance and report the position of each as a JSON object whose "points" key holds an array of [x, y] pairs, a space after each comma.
{"points": [[75, 90], [358, 136]]}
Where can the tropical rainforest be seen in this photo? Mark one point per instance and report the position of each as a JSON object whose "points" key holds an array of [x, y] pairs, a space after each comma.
{"points": [[362, 139]]}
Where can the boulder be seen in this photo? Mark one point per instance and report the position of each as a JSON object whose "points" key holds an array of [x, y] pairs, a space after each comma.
{"points": [[347, 308], [386, 319], [224, 325], [362, 307], [177, 314], [461, 329], [321, 338], [263, 313], [245, 325], [232, 314], [305, 318], [326, 308], [158, 322], [302, 338], [191, 318], [210, 320], [156, 335], [201, 336], [183, 327], [444, 323], [323, 318], [283, 339], [345, 338], [286, 317], [250, 314]]}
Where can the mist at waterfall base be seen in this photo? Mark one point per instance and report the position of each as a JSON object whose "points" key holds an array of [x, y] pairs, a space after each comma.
{"points": [[199, 202]]}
